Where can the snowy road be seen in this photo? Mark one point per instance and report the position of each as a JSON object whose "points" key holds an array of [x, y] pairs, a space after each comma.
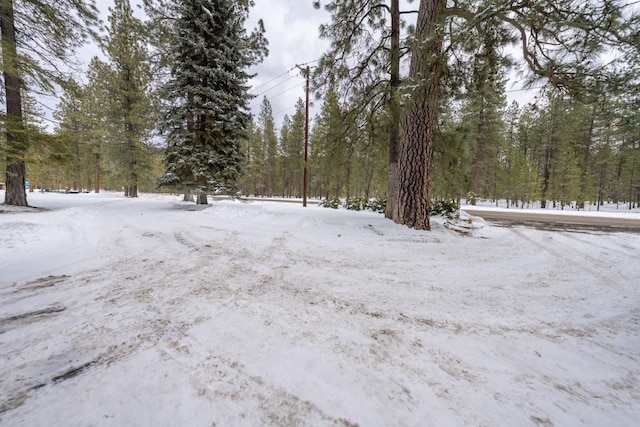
{"points": [[152, 312], [590, 220]]}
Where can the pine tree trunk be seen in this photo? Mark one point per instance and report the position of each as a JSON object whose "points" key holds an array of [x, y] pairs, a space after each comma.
{"points": [[416, 141], [97, 173], [15, 194], [133, 176], [202, 199], [394, 124], [546, 178]]}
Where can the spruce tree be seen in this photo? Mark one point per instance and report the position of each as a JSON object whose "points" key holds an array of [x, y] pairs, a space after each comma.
{"points": [[208, 116]]}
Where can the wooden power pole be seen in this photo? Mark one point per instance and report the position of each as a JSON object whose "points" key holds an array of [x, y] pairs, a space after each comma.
{"points": [[306, 148]]}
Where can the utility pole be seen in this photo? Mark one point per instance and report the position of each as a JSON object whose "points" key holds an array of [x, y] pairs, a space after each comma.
{"points": [[306, 148]]}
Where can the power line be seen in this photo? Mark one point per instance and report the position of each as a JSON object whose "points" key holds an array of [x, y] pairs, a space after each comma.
{"points": [[287, 90], [281, 93], [273, 87], [284, 109], [282, 74], [266, 83]]}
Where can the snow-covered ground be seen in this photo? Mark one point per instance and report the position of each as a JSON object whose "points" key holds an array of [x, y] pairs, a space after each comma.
{"points": [[154, 312]]}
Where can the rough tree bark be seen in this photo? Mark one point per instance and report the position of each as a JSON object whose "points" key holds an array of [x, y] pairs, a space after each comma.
{"points": [[202, 199], [418, 125], [97, 173], [15, 194], [394, 108]]}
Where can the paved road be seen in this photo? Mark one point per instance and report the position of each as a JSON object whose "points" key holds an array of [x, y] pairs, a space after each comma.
{"points": [[553, 220]]}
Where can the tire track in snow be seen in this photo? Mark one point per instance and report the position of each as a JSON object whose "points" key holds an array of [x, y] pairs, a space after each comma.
{"points": [[112, 289], [611, 246], [217, 377], [592, 265]]}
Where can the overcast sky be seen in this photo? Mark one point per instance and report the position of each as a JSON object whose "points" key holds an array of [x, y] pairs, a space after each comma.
{"points": [[292, 31]]}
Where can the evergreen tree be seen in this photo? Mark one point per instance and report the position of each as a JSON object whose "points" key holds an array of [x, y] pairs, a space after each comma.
{"points": [[283, 145], [364, 63], [70, 131], [41, 143], [82, 127], [249, 180], [518, 172], [128, 78], [208, 94], [628, 157], [452, 156], [484, 106], [292, 149], [51, 30], [269, 145], [370, 143], [330, 150]]}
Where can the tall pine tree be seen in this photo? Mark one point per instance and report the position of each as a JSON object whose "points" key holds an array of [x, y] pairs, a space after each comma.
{"points": [[128, 83], [37, 37], [208, 93]]}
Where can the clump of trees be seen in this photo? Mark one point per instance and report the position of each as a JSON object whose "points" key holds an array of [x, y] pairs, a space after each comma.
{"points": [[458, 50], [171, 91]]}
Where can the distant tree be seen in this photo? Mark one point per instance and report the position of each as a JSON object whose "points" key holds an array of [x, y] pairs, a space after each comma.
{"points": [[127, 76], [517, 168], [269, 145], [82, 116], [452, 155], [292, 149], [41, 143], [627, 159], [371, 154], [207, 119], [330, 150], [249, 146], [37, 38], [484, 105], [70, 114]]}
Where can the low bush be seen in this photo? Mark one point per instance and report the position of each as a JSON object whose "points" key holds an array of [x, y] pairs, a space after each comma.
{"points": [[331, 202], [446, 208]]}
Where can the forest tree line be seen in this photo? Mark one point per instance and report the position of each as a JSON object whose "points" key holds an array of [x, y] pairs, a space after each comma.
{"points": [[442, 129], [558, 151]]}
